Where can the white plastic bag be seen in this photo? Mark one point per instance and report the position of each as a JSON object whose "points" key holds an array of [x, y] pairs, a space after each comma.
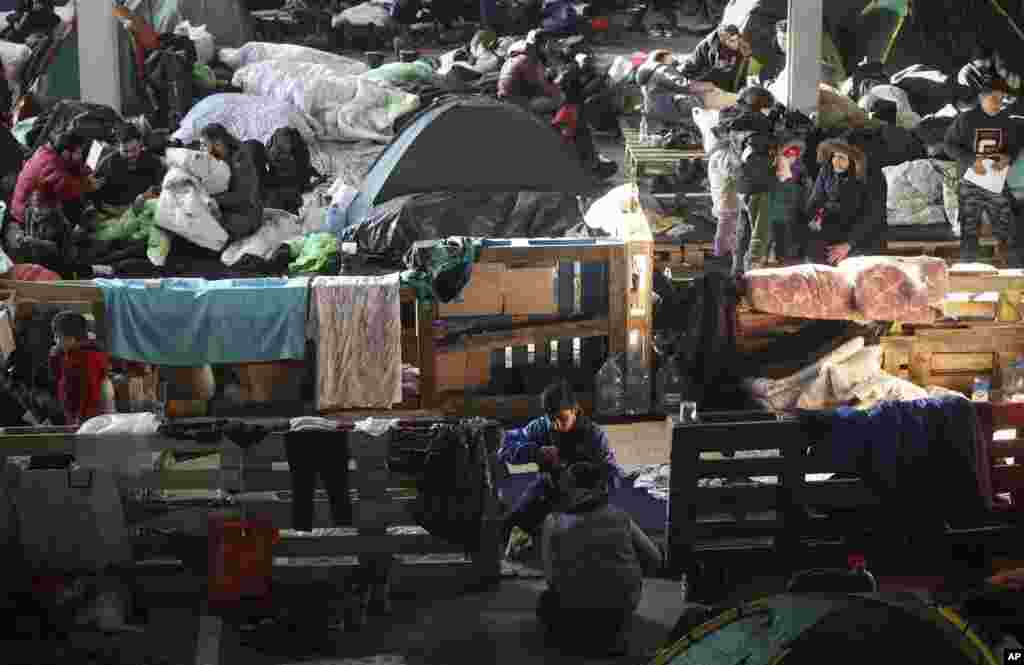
{"points": [[201, 37], [706, 119], [14, 56], [620, 69], [121, 423], [185, 209], [213, 174]]}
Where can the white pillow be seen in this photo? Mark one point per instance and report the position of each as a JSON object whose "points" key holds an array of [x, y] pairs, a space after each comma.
{"points": [[859, 368]]}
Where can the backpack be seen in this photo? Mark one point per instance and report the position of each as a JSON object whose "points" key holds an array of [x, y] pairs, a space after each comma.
{"points": [[288, 155]]}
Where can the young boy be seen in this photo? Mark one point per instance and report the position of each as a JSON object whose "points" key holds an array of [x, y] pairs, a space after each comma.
{"points": [[594, 556], [80, 370], [986, 133], [561, 438]]}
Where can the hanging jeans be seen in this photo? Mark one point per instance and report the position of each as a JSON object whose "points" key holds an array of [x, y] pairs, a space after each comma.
{"points": [[326, 453]]}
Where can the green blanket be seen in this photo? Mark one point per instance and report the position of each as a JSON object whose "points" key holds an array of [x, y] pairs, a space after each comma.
{"points": [[315, 253]]}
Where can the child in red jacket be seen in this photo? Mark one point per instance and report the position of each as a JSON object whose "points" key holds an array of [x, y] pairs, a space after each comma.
{"points": [[80, 369]]}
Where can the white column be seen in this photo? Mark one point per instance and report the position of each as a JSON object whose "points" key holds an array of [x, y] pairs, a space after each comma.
{"points": [[803, 56], [98, 54]]}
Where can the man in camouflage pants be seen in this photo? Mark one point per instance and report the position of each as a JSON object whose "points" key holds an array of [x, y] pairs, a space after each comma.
{"points": [[985, 140]]}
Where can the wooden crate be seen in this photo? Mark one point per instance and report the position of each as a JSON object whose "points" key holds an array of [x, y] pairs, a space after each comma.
{"points": [[604, 295], [952, 357], [643, 160]]}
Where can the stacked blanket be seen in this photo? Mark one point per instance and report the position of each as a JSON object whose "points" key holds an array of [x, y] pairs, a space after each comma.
{"points": [[910, 290]]}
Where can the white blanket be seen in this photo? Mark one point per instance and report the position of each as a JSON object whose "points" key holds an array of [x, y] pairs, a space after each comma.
{"points": [[246, 117], [187, 209], [349, 107], [278, 228], [374, 12], [254, 52]]}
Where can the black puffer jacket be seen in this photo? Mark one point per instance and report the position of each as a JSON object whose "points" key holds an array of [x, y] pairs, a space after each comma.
{"points": [[850, 213], [242, 205], [751, 136], [711, 61]]}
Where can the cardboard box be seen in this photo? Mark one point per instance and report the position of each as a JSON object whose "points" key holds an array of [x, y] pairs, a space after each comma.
{"points": [[482, 296], [457, 370], [530, 291]]}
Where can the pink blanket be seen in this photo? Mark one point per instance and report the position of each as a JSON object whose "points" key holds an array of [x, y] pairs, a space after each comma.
{"points": [[872, 288], [804, 291]]}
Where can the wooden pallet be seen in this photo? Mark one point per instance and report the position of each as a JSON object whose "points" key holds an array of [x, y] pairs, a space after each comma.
{"points": [[681, 258], [642, 160], [947, 249]]}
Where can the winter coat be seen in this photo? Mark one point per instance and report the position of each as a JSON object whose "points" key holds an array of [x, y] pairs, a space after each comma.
{"points": [[523, 76], [79, 376], [242, 205], [122, 184], [586, 442], [59, 182], [593, 555], [750, 137], [841, 198], [711, 61], [661, 83]]}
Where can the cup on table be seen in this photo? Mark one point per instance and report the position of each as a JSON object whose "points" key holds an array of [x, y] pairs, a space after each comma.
{"points": [[688, 412]]}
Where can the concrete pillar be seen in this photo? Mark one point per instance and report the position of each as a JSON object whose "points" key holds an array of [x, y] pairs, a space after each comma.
{"points": [[98, 53], [803, 56]]}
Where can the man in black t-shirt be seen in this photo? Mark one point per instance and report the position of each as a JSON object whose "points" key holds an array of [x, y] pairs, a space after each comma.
{"points": [[981, 135]]}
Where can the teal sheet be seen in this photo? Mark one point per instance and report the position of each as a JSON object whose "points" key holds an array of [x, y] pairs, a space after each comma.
{"points": [[193, 322]]}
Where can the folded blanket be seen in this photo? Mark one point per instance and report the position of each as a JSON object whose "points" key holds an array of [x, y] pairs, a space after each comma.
{"points": [[806, 291]]}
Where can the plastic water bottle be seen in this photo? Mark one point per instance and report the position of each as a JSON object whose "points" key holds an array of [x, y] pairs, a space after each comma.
{"points": [[982, 389], [610, 386], [671, 386], [638, 387]]}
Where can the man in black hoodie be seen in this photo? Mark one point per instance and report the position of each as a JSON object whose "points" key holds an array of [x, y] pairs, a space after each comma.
{"points": [[982, 134]]}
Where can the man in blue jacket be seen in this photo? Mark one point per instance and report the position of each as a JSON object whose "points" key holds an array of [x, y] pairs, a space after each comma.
{"points": [[554, 442]]}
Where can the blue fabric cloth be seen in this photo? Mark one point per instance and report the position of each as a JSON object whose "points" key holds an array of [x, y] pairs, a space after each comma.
{"points": [[194, 322], [918, 456]]}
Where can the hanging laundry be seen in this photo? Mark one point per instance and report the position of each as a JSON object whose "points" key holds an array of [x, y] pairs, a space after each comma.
{"points": [[359, 363], [194, 322]]}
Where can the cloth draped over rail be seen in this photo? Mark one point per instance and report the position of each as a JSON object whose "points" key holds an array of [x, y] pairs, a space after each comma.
{"points": [[194, 322], [918, 456], [359, 330]]}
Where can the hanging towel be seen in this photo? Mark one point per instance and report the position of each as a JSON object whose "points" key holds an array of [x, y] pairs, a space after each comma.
{"points": [[359, 359], [194, 322]]}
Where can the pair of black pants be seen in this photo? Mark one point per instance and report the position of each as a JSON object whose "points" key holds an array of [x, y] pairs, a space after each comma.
{"points": [[326, 453]]}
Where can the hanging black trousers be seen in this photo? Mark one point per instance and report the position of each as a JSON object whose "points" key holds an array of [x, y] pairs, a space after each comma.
{"points": [[312, 452]]}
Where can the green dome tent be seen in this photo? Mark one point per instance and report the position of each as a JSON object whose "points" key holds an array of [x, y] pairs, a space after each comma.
{"points": [[806, 629]]}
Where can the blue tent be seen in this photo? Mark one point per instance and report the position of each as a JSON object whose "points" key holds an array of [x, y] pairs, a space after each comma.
{"points": [[471, 145]]}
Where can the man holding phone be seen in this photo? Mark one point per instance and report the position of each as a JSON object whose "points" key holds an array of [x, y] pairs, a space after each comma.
{"points": [[983, 138]]}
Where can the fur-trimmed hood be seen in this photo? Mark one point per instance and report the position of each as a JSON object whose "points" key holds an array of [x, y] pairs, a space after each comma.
{"points": [[858, 160]]}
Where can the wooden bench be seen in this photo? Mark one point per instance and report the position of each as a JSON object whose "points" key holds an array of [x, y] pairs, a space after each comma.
{"points": [[643, 160], [769, 505]]}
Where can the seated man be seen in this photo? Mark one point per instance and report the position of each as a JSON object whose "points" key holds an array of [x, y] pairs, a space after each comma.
{"points": [[80, 370], [722, 58], [49, 200], [241, 206], [593, 561], [129, 172], [562, 437], [523, 79]]}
